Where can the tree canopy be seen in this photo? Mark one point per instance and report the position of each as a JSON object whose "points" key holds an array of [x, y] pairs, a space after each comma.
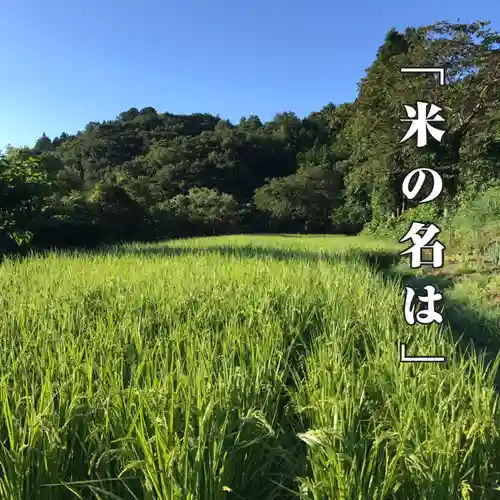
{"points": [[150, 175]]}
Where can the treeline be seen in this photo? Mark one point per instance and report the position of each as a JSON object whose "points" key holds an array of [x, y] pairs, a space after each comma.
{"points": [[150, 176]]}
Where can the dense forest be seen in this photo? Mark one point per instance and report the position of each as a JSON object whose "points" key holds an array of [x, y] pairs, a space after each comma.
{"points": [[149, 176]]}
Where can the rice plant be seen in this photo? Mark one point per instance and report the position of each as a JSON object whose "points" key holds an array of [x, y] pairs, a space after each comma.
{"points": [[233, 368]]}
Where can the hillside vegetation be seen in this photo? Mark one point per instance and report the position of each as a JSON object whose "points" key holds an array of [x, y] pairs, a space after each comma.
{"points": [[150, 176], [149, 350]]}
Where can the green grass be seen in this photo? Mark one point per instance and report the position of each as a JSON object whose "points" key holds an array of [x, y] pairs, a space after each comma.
{"points": [[239, 367]]}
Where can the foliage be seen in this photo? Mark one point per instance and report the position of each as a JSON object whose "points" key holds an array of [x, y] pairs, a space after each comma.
{"points": [[205, 209], [476, 225], [249, 367], [149, 175], [22, 187]]}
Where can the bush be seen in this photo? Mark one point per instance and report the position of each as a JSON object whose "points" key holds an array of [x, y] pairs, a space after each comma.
{"points": [[397, 227], [476, 225]]}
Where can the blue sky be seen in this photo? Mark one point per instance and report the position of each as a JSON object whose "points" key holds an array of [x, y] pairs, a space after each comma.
{"points": [[65, 63]]}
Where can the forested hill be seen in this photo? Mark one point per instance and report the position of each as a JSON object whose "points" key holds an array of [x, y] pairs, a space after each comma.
{"points": [[151, 175]]}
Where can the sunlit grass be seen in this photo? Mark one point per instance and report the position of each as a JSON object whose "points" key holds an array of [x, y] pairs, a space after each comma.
{"points": [[238, 367]]}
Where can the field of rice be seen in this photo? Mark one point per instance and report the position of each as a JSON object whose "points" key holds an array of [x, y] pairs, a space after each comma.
{"points": [[242, 367]]}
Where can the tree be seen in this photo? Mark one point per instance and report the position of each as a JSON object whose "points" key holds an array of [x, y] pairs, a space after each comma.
{"points": [[470, 54], [111, 206], [302, 201], [43, 144], [129, 115], [207, 209], [23, 185], [149, 174], [250, 124]]}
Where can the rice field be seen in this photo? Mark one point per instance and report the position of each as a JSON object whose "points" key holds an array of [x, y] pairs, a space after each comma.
{"points": [[242, 367]]}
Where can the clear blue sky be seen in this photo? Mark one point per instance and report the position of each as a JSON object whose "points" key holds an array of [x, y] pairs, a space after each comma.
{"points": [[65, 63]]}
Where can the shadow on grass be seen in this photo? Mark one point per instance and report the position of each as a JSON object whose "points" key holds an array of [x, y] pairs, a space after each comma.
{"points": [[473, 331], [291, 457], [378, 260], [285, 471]]}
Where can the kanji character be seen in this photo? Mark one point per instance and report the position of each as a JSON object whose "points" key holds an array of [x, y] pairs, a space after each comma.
{"points": [[421, 242], [420, 119]]}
